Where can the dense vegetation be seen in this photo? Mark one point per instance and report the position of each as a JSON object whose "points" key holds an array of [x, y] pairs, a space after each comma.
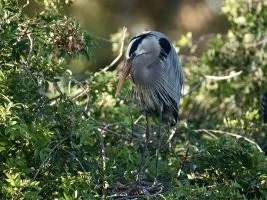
{"points": [[68, 139]]}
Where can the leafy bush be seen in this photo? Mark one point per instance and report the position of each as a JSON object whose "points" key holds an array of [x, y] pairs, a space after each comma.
{"points": [[233, 104], [65, 139], [224, 169]]}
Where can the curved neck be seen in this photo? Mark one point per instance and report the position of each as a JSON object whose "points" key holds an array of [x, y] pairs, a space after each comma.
{"points": [[144, 69]]}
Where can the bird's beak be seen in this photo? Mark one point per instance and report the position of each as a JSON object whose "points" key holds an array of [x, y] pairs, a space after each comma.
{"points": [[125, 73]]}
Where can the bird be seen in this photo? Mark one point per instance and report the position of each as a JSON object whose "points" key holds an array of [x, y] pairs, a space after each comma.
{"points": [[155, 70]]}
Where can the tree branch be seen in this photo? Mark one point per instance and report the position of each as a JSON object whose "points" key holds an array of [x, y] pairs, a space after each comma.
{"points": [[230, 134], [215, 78], [124, 30], [220, 78]]}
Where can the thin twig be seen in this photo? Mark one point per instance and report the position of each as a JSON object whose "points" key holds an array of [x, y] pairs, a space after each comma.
{"points": [[78, 161], [103, 154], [209, 133], [57, 88], [114, 133], [183, 162], [214, 78], [26, 4], [80, 94], [138, 119], [103, 39], [197, 86], [48, 158], [261, 42], [31, 46], [219, 78], [26, 64], [55, 98], [231, 134], [171, 136], [124, 30], [87, 108], [105, 128]]}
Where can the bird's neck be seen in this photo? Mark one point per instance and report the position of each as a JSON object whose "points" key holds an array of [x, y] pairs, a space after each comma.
{"points": [[143, 69]]}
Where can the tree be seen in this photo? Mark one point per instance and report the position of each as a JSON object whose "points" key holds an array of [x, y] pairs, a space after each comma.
{"points": [[68, 139]]}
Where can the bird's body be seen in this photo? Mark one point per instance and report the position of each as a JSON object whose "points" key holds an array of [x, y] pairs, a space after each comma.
{"points": [[157, 74], [156, 71]]}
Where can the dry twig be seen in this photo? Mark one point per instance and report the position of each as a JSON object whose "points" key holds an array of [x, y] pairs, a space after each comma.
{"points": [[261, 42], [220, 78], [214, 78], [230, 134], [124, 30]]}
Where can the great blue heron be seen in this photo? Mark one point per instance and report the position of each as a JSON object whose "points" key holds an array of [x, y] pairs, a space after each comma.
{"points": [[156, 72]]}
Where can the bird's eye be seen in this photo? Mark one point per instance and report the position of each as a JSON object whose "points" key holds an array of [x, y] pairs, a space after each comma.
{"points": [[165, 47]]}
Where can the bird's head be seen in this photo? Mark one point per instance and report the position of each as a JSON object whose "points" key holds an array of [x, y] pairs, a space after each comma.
{"points": [[144, 48], [143, 45]]}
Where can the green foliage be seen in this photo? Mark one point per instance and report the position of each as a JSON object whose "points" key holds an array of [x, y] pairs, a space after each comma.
{"points": [[55, 5], [37, 133], [224, 169], [241, 49], [64, 139], [220, 161]]}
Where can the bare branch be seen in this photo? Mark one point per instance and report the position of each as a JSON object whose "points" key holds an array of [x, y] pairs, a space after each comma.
{"points": [[171, 135], [215, 78], [26, 63], [26, 4], [80, 94], [219, 78], [124, 30], [31, 46], [103, 39], [197, 86], [138, 119], [85, 111], [57, 88], [183, 163], [104, 160], [230, 134], [261, 42]]}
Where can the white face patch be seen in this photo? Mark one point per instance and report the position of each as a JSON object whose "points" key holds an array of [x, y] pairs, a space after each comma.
{"points": [[128, 49], [135, 42]]}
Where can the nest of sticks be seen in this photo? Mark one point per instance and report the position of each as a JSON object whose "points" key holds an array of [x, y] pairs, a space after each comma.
{"points": [[140, 189]]}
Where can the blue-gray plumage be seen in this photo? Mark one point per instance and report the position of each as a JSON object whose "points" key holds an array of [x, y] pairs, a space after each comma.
{"points": [[156, 72]]}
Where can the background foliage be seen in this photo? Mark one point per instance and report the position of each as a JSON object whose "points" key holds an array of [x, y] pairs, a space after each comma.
{"points": [[68, 139]]}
